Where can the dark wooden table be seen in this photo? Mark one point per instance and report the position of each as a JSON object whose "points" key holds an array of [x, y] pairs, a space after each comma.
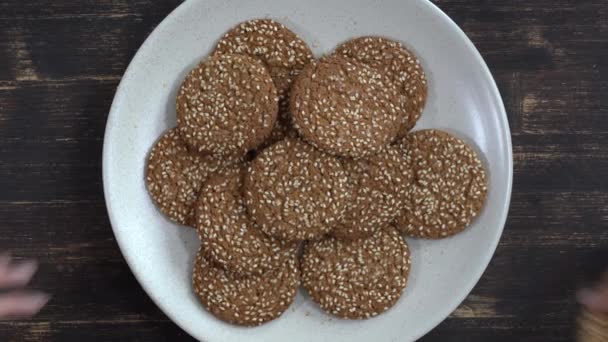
{"points": [[60, 63]]}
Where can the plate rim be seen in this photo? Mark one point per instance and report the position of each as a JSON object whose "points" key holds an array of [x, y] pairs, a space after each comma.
{"points": [[495, 96]]}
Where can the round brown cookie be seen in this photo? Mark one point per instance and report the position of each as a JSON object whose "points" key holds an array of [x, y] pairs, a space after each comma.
{"points": [[227, 105], [345, 107], [228, 235], [379, 187], [282, 52], [400, 64], [242, 300], [356, 279], [449, 188], [295, 192], [174, 176]]}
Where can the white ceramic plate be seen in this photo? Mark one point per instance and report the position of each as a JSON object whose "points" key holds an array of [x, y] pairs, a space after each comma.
{"points": [[463, 98]]}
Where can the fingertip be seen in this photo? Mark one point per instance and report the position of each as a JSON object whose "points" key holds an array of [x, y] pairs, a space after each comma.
{"points": [[22, 273], [34, 302], [593, 299], [22, 304], [39, 299]]}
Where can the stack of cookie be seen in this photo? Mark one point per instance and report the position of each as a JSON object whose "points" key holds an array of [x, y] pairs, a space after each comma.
{"points": [[273, 148]]}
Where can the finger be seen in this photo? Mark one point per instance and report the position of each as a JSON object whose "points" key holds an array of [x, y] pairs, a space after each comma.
{"points": [[22, 304], [595, 299], [18, 275]]}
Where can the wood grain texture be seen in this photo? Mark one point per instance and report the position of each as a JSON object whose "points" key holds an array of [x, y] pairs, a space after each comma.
{"points": [[60, 63]]}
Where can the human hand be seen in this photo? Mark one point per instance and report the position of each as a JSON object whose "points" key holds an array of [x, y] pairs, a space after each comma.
{"points": [[595, 299], [18, 302], [593, 318]]}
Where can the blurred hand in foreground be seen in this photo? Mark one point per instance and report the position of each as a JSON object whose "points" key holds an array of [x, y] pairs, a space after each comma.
{"points": [[15, 300], [593, 318], [595, 299]]}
